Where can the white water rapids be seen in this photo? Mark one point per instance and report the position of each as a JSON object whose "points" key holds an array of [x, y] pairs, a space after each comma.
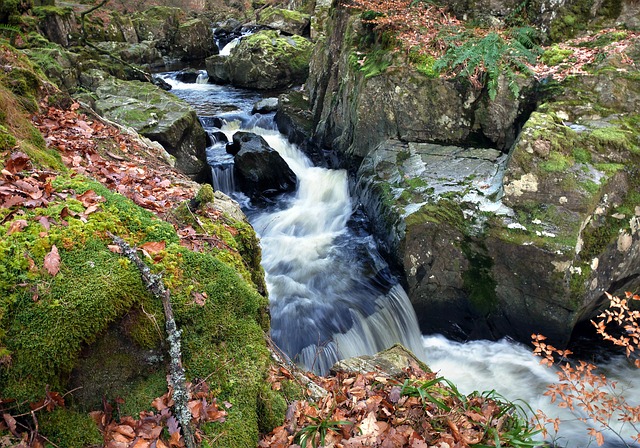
{"points": [[332, 295]]}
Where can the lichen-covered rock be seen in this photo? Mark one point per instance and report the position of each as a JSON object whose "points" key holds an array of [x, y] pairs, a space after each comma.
{"points": [[194, 41], [218, 69], [159, 23], [285, 20], [59, 64], [59, 25], [260, 170], [265, 60], [155, 114], [490, 245], [392, 362], [143, 53], [115, 28]]}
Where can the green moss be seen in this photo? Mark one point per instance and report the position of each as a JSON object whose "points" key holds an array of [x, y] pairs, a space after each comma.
{"points": [[555, 55], [613, 138], [477, 279], [271, 409], [444, 211], [69, 429], [424, 64], [581, 155], [556, 162], [7, 141], [205, 195], [141, 394]]}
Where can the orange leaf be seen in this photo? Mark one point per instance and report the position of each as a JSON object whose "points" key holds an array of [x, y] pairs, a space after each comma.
{"points": [[153, 247], [17, 226], [52, 261]]}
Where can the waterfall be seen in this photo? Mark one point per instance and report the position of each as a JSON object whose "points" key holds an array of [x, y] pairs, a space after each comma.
{"points": [[203, 77], [331, 293], [226, 50], [332, 296]]}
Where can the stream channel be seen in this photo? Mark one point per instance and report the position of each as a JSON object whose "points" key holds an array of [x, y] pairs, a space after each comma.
{"points": [[332, 295]]}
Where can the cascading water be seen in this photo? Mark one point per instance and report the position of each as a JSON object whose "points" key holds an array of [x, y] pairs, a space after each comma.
{"points": [[333, 296]]}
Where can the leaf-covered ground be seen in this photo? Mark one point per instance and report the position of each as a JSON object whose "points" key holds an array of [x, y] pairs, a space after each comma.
{"points": [[417, 410]]}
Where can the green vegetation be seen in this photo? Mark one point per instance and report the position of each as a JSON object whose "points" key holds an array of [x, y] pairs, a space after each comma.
{"points": [[555, 55]]}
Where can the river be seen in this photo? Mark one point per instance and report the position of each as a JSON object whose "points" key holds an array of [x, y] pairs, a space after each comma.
{"points": [[333, 296]]}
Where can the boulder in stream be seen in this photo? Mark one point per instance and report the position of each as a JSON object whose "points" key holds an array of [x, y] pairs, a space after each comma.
{"points": [[265, 60], [260, 170]]}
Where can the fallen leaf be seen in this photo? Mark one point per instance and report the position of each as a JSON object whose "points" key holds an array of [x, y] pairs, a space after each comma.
{"points": [[17, 226], [153, 247], [52, 261], [115, 249], [17, 162], [199, 298]]}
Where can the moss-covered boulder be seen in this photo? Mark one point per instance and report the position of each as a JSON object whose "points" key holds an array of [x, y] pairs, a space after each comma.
{"points": [[194, 41], [59, 64], [115, 27], [155, 114], [174, 35], [285, 20], [76, 320], [264, 60], [59, 25]]}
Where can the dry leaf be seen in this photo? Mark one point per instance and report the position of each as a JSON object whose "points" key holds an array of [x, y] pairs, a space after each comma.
{"points": [[52, 261], [153, 247], [17, 226]]}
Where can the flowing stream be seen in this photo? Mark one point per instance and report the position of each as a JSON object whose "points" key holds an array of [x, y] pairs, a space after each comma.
{"points": [[331, 294]]}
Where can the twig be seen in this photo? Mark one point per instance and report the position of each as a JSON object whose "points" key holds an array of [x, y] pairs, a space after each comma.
{"points": [[177, 375]]}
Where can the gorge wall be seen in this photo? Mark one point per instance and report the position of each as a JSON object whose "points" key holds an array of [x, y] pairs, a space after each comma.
{"points": [[504, 217]]}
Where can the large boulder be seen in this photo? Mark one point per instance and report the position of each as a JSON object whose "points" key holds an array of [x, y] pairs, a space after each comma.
{"points": [[260, 170], [194, 41], [285, 20], [115, 27], [59, 25], [155, 114], [264, 60], [142, 53]]}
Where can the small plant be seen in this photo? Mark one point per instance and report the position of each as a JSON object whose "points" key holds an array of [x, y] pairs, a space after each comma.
{"points": [[482, 59], [317, 432]]}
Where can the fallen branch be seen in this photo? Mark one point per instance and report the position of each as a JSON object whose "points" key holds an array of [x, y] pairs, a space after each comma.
{"points": [[177, 376]]}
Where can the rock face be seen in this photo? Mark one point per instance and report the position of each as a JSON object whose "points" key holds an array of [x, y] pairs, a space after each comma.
{"points": [[264, 60], [156, 115], [261, 171], [355, 111], [164, 30], [520, 238]]}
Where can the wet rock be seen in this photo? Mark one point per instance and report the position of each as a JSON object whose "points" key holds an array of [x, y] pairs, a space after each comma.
{"points": [[265, 106], [261, 171], [155, 114], [391, 362]]}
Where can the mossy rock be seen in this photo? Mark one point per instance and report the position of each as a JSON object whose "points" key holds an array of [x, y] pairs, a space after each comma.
{"points": [[269, 60], [285, 20], [47, 323]]}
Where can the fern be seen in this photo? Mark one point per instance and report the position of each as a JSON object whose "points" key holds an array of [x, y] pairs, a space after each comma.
{"points": [[482, 60], [11, 31]]}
